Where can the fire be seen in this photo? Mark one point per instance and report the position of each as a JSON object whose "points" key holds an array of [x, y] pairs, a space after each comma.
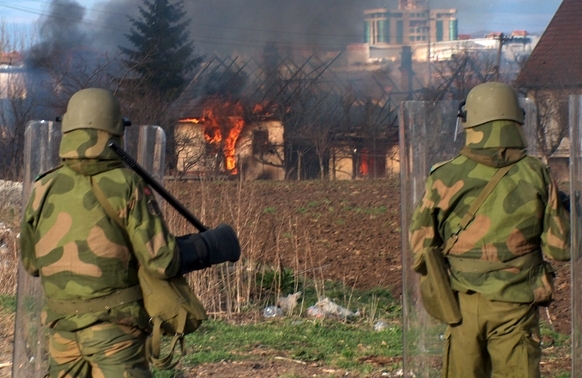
{"points": [[192, 120], [371, 163], [230, 143], [364, 162], [222, 124]]}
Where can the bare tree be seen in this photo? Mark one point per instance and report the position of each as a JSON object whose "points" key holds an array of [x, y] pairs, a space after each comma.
{"points": [[18, 106], [454, 78], [19, 101], [551, 124], [191, 151]]}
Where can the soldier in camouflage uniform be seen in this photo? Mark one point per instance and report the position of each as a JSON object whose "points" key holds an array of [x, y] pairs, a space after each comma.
{"points": [[86, 262], [496, 265]]}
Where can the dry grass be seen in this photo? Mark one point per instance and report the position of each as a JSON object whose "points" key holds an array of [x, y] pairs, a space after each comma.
{"points": [[282, 226]]}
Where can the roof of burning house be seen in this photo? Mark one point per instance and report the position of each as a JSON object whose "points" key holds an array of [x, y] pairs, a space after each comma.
{"points": [[556, 61]]}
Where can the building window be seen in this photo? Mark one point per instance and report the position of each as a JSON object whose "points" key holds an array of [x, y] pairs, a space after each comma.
{"points": [[399, 32], [439, 31], [260, 142]]}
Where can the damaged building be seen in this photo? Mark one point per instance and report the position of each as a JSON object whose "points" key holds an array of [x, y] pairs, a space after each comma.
{"points": [[293, 121]]}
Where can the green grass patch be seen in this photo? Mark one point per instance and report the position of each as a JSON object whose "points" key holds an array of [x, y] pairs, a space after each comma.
{"points": [[323, 205], [551, 338], [8, 303], [276, 280], [371, 211], [329, 342], [373, 304]]}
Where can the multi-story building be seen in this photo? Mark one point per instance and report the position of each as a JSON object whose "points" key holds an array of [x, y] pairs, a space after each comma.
{"points": [[413, 22]]}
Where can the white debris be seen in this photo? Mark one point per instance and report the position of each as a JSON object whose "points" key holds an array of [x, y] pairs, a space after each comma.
{"points": [[326, 308], [287, 304]]}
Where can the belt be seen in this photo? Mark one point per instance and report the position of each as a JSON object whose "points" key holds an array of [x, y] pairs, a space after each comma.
{"points": [[483, 266], [104, 303]]}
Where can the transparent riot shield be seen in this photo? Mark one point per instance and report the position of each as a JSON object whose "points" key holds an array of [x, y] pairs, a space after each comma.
{"points": [[42, 141], [575, 117], [41, 153], [152, 150], [427, 136], [151, 154], [529, 128]]}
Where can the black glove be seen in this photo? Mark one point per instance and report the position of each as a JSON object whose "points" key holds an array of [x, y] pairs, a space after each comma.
{"points": [[199, 251]]}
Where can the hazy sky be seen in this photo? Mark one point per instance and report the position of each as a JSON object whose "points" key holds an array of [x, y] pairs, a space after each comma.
{"points": [[501, 15], [240, 24], [473, 15]]}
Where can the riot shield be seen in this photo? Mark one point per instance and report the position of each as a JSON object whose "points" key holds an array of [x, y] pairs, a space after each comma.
{"points": [[427, 136], [151, 153], [529, 129], [41, 153], [575, 117]]}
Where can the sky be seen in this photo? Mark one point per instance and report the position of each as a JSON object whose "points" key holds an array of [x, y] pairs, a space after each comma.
{"points": [[239, 24], [473, 15], [501, 15]]}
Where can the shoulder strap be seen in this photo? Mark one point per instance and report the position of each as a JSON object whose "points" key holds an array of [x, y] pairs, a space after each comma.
{"points": [[470, 214], [105, 203]]}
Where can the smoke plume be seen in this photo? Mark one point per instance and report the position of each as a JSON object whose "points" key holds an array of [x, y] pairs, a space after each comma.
{"points": [[236, 27], [244, 27], [60, 32]]}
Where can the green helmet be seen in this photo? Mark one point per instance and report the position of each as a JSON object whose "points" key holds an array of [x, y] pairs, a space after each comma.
{"points": [[491, 102], [93, 108]]}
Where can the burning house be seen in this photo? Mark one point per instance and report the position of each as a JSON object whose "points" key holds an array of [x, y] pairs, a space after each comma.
{"points": [[289, 121], [222, 141]]}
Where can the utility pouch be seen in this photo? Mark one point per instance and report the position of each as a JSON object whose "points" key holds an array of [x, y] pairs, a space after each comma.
{"points": [[438, 298], [174, 310], [542, 283]]}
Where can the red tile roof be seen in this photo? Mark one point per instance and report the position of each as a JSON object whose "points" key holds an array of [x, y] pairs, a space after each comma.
{"points": [[556, 61]]}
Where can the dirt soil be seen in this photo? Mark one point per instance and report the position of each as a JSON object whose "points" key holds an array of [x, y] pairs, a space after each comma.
{"points": [[352, 234]]}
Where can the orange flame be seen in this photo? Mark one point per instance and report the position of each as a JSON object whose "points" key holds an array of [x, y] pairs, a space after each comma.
{"points": [[364, 162], [223, 123], [230, 144], [191, 120]]}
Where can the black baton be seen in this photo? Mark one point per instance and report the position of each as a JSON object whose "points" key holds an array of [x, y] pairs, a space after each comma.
{"points": [[158, 188]]}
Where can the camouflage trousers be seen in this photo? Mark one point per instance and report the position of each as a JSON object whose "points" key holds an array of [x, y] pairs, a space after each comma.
{"points": [[494, 340], [104, 350]]}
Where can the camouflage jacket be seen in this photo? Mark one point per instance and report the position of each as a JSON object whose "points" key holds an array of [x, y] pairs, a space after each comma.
{"points": [[78, 251], [522, 216]]}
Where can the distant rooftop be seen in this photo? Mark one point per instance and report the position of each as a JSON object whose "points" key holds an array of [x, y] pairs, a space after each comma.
{"points": [[557, 59], [13, 58]]}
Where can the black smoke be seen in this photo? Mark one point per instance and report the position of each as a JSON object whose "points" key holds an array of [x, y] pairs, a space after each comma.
{"points": [[61, 31], [244, 27]]}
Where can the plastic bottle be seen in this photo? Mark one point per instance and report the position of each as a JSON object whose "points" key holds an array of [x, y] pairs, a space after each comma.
{"points": [[380, 326], [272, 311]]}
